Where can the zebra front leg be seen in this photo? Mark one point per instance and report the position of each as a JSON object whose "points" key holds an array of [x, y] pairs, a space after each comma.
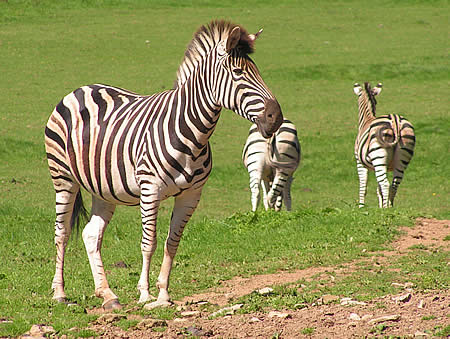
{"points": [[185, 205], [362, 174], [101, 214], [65, 201], [150, 201]]}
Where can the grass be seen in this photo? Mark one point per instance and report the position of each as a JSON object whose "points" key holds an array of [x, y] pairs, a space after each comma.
{"points": [[310, 60]]}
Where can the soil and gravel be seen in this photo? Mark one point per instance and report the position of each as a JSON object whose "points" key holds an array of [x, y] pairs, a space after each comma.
{"points": [[410, 314]]}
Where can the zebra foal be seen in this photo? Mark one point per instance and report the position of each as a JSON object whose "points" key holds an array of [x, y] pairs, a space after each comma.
{"points": [[384, 143], [130, 149], [271, 164]]}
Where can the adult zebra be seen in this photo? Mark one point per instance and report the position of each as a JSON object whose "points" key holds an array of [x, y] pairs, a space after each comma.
{"points": [[129, 149], [271, 163], [383, 144]]}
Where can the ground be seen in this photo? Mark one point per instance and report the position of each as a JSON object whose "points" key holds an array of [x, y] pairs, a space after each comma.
{"points": [[415, 316]]}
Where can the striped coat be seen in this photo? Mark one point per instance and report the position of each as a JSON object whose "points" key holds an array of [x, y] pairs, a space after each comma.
{"points": [[271, 164], [130, 149], [384, 143]]}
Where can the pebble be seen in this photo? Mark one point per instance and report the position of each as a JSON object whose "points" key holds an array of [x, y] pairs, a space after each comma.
{"points": [[394, 317], [265, 291], [354, 316], [421, 304], [277, 314], [189, 313], [254, 320], [227, 310], [402, 298]]}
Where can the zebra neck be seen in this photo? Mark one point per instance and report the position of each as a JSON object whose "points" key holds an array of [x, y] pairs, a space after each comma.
{"points": [[197, 107], [366, 115]]}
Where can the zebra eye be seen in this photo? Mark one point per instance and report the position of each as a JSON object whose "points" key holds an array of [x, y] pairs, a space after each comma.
{"points": [[238, 71]]}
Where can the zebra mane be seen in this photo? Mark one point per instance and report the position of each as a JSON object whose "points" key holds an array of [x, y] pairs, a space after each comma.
{"points": [[370, 97], [204, 40]]}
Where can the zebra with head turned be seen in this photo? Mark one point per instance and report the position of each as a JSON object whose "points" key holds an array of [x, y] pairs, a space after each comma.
{"points": [[271, 164], [129, 149], [384, 143]]}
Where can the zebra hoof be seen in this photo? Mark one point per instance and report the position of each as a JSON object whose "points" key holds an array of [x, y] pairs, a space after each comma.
{"points": [[112, 305], [61, 300]]}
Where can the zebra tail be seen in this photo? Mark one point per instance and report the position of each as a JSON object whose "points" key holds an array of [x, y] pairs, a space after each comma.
{"points": [[381, 139], [79, 213]]}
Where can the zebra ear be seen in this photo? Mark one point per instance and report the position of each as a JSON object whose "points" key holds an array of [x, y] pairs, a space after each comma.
{"points": [[253, 37], [357, 89], [377, 89], [233, 38]]}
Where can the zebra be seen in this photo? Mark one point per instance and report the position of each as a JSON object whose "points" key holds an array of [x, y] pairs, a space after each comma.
{"points": [[271, 164], [384, 143], [129, 149]]}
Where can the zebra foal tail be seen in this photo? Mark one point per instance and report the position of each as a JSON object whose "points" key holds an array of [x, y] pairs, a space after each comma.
{"points": [[384, 133], [79, 213]]}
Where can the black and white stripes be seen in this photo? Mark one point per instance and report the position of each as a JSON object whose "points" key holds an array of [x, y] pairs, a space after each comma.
{"points": [[271, 164], [129, 149], [383, 144]]}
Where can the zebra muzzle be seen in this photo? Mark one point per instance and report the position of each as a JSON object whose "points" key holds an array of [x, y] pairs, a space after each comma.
{"points": [[271, 119]]}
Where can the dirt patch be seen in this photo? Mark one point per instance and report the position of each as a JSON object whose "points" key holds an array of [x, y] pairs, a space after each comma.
{"points": [[414, 314]]}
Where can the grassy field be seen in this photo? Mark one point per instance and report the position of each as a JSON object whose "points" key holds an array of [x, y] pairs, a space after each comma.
{"points": [[309, 55]]}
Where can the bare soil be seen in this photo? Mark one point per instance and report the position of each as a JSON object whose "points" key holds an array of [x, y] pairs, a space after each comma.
{"points": [[416, 316]]}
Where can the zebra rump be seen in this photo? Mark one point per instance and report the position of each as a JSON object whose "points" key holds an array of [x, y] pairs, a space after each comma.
{"points": [[271, 164]]}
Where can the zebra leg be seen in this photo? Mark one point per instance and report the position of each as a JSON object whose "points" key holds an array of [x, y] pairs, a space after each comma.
{"points": [[362, 174], [287, 194], [402, 158], [277, 188], [185, 205], [101, 214], [150, 201], [380, 197], [66, 193], [265, 188], [380, 166], [255, 179]]}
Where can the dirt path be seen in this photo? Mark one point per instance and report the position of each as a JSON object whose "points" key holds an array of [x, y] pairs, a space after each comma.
{"points": [[411, 318]]}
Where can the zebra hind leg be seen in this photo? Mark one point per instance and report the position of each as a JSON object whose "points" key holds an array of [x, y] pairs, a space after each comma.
{"points": [[401, 160], [287, 193], [101, 214], [68, 206], [255, 179]]}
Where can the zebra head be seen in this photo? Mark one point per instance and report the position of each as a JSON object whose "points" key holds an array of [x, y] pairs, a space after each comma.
{"points": [[239, 85], [367, 95]]}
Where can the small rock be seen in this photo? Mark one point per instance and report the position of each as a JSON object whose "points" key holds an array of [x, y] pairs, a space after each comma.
{"points": [[180, 320], [300, 306], [394, 317], [397, 285], [254, 320], [420, 334], [40, 330], [277, 314], [402, 298], [328, 298], [352, 324], [265, 291], [198, 332], [421, 304], [366, 317], [109, 318], [189, 313], [150, 323], [349, 301], [354, 316], [227, 310]]}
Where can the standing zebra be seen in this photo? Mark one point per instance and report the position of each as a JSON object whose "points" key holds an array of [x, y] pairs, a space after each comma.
{"points": [[383, 144], [271, 163], [129, 149]]}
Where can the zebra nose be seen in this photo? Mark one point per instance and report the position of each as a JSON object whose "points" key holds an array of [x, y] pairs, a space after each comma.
{"points": [[271, 119], [273, 115]]}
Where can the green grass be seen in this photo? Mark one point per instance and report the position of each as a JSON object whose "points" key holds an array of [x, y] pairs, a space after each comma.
{"points": [[310, 59]]}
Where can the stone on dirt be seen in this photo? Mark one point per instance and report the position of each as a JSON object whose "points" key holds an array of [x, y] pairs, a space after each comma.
{"points": [[354, 316], [265, 291], [277, 314], [393, 317], [39, 331], [402, 298], [109, 318], [227, 310], [151, 323]]}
